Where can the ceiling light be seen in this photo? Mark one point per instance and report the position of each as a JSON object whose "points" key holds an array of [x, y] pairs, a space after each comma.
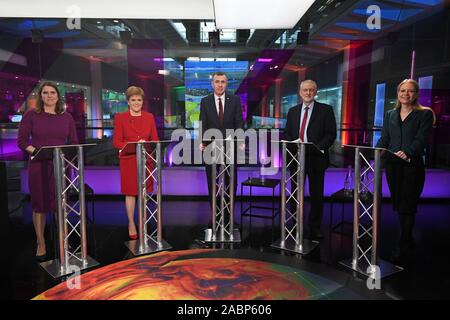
{"points": [[164, 72], [147, 9], [259, 14]]}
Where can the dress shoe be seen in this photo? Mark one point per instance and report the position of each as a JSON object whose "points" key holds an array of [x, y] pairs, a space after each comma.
{"points": [[316, 234], [41, 258], [133, 236], [404, 252]]}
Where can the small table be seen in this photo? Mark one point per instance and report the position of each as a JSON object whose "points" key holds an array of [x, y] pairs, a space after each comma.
{"points": [[261, 183]]}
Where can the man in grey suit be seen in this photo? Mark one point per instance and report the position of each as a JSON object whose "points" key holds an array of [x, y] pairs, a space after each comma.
{"points": [[220, 110]]}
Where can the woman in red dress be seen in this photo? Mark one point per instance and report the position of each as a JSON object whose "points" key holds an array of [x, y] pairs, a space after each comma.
{"points": [[133, 125]]}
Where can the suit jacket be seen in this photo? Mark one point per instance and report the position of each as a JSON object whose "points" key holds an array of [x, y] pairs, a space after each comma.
{"points": [[232, 113], [411, 136], [131, 129], [321, 129]]}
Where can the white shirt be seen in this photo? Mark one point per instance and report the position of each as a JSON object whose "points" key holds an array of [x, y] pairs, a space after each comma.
{"points": [[216, 98], [302, 113]]}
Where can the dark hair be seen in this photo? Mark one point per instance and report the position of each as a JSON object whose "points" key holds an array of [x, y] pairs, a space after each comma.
{"points": [[59, 108], [219, 73], [134, 91]]}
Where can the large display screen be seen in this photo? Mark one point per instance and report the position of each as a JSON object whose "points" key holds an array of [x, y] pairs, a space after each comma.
{"points": [[198, 83], [113, 102]]}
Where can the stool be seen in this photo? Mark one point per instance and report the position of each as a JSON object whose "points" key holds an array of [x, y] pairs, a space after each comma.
{"points": [[261, 183]]}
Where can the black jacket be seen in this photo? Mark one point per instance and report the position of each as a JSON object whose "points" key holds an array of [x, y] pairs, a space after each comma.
{"points": [[232, 113], [411, 136], [321, 128]]}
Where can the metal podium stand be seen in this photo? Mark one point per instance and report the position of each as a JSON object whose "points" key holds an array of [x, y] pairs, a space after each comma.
{"points": [[70, 259], [150, 227], [292, 238], [222, 230], [370, 207]]}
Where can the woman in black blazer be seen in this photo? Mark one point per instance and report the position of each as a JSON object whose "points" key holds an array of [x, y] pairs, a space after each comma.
{"points": [[406, 132]]}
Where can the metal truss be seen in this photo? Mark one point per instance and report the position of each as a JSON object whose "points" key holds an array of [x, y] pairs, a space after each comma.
{"points": [[71, 214], [149, 202], [366, 209], [223, 190], [292, 238]]}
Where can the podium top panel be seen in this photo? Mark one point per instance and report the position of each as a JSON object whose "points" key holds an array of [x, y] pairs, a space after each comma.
{"points": [[46, 152], [299, 142], [130, 147], [69, 146], [364, 147], [373, 149], [149, 142], [226, 139]]}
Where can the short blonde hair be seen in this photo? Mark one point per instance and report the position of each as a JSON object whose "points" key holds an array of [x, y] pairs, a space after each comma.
{"points": [[134, 91]]}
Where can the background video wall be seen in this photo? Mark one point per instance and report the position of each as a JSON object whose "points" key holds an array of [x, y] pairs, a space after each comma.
{"points": [[198, 83]]}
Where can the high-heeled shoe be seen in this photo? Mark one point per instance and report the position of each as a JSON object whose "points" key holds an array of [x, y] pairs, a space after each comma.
{"points": [[133, 236], [41, 258]]}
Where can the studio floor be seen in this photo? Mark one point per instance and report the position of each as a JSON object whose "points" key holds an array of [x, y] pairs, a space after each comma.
{"points": [[318, 275]]}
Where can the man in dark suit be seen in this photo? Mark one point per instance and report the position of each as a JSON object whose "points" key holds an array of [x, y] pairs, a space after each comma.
{"points": [[222, 111], [314, 122]]}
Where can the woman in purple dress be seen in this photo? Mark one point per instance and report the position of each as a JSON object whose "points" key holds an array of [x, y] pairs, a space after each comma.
{"points": [[47, 125]]}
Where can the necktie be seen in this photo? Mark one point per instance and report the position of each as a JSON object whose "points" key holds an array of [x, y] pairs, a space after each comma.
{"points": [[220, 111], [303, 126]]}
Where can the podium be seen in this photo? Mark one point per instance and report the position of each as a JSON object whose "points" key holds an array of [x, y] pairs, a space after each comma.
{"points": [[365, 258], [71, 218], [149, 204], [222, 211], [292, 237]]}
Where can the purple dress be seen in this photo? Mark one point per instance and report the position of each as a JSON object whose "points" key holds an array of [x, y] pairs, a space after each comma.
{"points": [[45, 129]]}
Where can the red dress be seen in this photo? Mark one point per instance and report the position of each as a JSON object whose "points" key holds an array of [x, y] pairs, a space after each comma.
{"points": [[128, 128]]}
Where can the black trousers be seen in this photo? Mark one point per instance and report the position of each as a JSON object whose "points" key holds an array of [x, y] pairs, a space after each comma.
{"points": [[406, 182], [315, 167]]}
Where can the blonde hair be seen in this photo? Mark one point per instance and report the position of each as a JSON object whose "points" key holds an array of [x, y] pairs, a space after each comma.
{"points": [[134, 91], [415, 103]]}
